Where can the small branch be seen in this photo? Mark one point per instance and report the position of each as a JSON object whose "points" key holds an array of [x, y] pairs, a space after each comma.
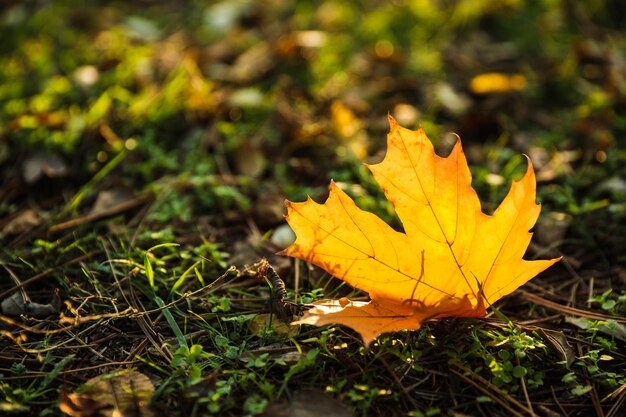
{"points": [[568, 310]]}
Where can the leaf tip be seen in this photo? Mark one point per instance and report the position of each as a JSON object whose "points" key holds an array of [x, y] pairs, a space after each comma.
{"points": [[392, 122], [289, 207], [530, 169]]}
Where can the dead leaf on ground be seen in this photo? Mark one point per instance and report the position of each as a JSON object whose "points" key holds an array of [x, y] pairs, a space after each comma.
{"points": [[268, 210], [614, 329], [261, 324], [123, 393], [19, 303], [495, 82], [108, 199], [26, 220], [41, 164], [81, 405], [308, 403], [249, 159], [555, 165], [452, 260], [558, 341]]}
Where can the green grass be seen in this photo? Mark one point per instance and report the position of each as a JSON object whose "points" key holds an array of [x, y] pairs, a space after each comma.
{"points": [[146, 151]]}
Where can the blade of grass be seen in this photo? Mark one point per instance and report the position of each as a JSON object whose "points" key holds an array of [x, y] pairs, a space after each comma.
{"points": [[199, 276], [162, 245], [56, 370], [183, 276], [149, 271], [78, 197], [170, 320]]}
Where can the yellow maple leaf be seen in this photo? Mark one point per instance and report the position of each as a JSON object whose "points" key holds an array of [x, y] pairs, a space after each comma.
{"points": [[451, 260]]}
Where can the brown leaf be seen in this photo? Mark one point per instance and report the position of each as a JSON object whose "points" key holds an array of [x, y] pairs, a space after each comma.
{"points": [[308, 403], [81, 405], [40, 164], [124, 393], [26, 220]]}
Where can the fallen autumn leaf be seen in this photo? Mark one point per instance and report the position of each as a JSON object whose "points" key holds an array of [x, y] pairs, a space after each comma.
{"points": [[451, 259]]}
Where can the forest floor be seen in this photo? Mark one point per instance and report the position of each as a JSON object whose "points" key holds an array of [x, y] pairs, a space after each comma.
{"points": [[146, 152]]}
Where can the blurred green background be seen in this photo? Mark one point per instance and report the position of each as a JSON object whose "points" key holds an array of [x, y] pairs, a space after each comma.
{"points": [[219, 105]]}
